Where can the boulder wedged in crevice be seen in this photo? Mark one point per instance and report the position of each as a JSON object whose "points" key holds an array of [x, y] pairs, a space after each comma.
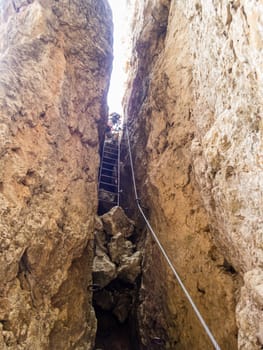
{"points": [[115, 254], [116, 272], [116, 221]]}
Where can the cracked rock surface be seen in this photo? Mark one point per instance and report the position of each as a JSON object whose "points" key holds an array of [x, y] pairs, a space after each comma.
{"points": [[194, 110], [55, 62]]}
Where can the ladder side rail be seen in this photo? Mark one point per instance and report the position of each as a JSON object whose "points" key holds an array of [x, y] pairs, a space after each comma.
{"points": [[101, 164]]}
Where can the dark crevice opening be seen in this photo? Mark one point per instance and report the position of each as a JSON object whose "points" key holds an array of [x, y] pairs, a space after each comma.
{"points": [[111, 333]]}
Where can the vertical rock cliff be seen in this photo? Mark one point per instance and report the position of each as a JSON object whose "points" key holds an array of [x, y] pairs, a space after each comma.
{"points": [[194, 111], [55, 62]]}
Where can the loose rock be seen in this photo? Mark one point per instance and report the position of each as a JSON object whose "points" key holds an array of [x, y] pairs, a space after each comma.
{"points": [[104, 271], [98, 224], [119, 247], [116, 221], [100, 243], [130, 267]]}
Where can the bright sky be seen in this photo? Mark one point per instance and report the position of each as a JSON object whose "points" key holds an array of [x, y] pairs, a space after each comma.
{"points": [[116, 91]]}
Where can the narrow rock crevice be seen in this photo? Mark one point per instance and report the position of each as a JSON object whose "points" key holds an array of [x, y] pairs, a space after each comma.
{"points": [[193, 107]]}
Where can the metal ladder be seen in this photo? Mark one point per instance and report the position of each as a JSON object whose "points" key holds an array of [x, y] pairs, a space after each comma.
{"points": [[109, 175]]}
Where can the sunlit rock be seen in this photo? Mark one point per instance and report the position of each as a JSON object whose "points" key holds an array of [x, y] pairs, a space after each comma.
{"points": [[194, 110], [249, 312], [55, 62]]}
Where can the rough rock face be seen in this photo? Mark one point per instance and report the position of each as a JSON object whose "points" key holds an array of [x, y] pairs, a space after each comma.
{"points": [[55, 61], [116, 221], [194, 106]]}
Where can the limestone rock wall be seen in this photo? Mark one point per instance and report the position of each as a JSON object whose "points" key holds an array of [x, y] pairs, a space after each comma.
{"points": [[194, 111], [55, 62]]}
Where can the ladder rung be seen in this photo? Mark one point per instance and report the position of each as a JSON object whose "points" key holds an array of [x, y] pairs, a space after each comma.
{"points": [[112, 154], [106, 149], [105, 183], [110, 177], [106, 157], [103, 200], [108, 182], [106, 191], [109, 147], [107, 169], [110, 150], [104, 170], [107, 163]]}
